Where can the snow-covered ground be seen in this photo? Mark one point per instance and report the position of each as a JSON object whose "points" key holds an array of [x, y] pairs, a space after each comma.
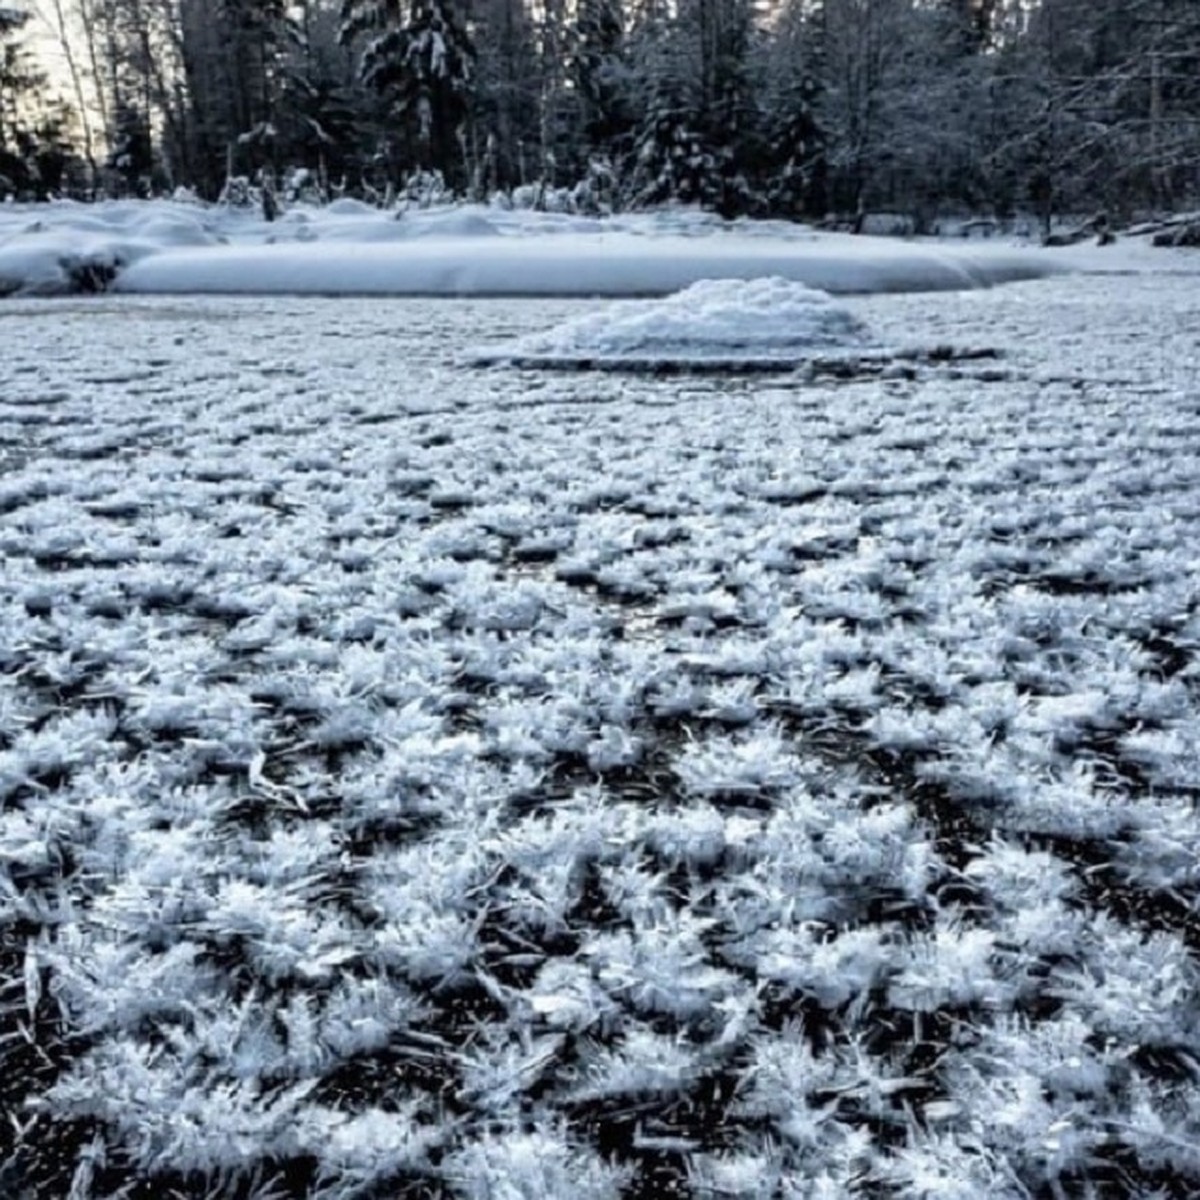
{"points": [[349, 248], [424, 780]]}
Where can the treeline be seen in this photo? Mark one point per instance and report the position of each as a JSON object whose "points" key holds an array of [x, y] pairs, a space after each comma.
{"points": [[786, 107]]}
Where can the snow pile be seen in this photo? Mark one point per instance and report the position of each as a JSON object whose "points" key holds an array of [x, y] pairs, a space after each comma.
{"points": [[713, 322], [349, 248]]}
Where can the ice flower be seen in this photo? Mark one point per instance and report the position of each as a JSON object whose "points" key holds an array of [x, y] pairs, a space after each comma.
{"points": [[369, 1147], [952, 967], [539, 1164], [749, 767], [641, 1063]]}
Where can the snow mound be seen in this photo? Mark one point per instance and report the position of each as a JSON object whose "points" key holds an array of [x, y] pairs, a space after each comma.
{"points": [[769, 321]]}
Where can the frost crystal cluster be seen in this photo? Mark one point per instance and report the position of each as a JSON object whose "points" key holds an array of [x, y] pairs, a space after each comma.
{"points": [[425, 782]]}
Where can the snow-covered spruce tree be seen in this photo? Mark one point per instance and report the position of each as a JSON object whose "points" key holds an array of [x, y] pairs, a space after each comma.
{"points": [[417, 55], [732, 123], [696, 139], [600, 73], [131, 157], [788, 68], [938, 115], [670, 160], [505, 125], [234, 58], [322, 117]]}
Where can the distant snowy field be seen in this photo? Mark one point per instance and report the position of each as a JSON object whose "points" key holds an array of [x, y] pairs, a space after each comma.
{"points": [[418, 780], [350, 248]]}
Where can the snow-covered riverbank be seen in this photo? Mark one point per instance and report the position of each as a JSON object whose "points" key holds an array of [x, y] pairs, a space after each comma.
{"points": [[349, 248]]}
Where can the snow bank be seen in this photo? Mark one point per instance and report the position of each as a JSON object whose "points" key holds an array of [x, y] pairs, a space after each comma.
{"points": [[57, 248], [350, 249], [771, 320], [608, 264]]}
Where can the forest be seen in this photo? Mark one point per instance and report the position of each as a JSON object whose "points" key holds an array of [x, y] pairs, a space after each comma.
{"points": [[805, 109]]}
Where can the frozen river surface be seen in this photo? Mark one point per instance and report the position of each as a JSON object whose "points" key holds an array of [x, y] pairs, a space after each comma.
{"points": [[423, 780]]}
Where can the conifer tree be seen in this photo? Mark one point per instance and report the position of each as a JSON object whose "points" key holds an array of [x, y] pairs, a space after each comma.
{"points": [[29, 137], [417, 57]]}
